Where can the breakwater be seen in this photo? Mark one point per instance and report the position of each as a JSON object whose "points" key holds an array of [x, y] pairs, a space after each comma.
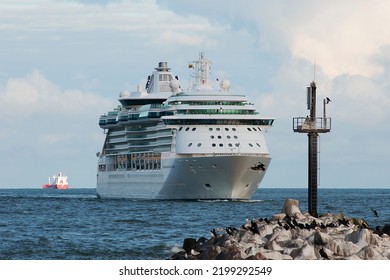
{"points": [[293, 235]]}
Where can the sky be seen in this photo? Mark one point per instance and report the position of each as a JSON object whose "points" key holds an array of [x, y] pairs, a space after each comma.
{"points": [[64, 63]]}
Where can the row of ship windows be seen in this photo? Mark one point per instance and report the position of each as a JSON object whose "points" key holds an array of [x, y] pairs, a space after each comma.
{"points": [[220, 137], [219, 129], [229, 145]]}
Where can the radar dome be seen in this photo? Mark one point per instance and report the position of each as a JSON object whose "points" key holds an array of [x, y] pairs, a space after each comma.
{"points": [[225, 84], [124, 93], [174, 85]]}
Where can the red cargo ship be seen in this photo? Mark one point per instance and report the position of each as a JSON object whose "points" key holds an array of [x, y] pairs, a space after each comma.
{"points": [[59, 182]]}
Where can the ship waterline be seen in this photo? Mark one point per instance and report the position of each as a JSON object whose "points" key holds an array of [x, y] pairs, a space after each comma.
{"points": [[231, 177]]}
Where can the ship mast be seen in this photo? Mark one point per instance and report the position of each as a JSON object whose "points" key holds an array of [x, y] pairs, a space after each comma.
{"points": [[202, 71]]}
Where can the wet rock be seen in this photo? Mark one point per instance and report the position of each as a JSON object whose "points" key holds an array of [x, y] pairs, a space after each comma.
{"points": [[189, 244], [386, 229]]}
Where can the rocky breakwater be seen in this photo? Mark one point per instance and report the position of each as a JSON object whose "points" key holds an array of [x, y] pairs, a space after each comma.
{"points": [[292, 235]]}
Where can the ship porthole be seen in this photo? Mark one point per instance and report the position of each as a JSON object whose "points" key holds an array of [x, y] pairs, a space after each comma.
{"points": [[207, 186], [247, 185]]}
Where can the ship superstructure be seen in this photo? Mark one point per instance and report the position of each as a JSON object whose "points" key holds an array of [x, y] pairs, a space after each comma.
{"points": [[167, 143]]}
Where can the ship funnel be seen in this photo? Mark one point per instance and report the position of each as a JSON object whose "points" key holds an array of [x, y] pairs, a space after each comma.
{"points": [[163, 66]]}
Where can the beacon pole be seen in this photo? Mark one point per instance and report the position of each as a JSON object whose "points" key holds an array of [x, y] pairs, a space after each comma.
{"points": [[312, 126]]}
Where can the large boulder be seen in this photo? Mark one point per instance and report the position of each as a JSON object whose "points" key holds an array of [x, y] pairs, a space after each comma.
{"points": [[189, 244], [291, 208], [342, 248], [320, 238], [306, 252], [371, 252], [362, 237]]}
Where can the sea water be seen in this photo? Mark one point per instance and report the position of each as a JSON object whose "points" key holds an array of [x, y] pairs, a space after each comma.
{"points": [[43, 224]]}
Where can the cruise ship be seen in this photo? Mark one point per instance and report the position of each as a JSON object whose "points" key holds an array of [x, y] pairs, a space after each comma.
{"points": [[164, 142]]}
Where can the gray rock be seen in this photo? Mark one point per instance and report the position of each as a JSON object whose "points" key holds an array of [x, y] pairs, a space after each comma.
{"points": [[291, 207], [362, 237], [320, 238], [275, 255], [273, 245], [370, 252], [229, 253], [305, 252], [342, 248]]}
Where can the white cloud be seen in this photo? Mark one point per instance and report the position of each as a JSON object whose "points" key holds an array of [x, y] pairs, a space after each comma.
{"points": [[140, 19], [35, 95], [340, 36], [45, 127]]}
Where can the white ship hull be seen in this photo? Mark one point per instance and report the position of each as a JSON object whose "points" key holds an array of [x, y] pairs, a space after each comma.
{"points": [[232, 177]]}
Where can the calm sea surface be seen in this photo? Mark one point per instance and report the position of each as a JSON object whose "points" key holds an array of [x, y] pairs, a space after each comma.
{"points": [[73, 224]]}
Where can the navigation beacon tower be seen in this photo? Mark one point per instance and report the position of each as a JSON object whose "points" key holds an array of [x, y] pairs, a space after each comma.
{"points": [[312, 125]]}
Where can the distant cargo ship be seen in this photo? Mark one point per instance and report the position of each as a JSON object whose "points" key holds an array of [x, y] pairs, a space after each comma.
{"points": [[59, 182]]}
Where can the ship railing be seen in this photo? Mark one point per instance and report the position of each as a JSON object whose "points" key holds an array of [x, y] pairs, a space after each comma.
{"points": [[149, 136], [117, 133], [308, 124]]}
